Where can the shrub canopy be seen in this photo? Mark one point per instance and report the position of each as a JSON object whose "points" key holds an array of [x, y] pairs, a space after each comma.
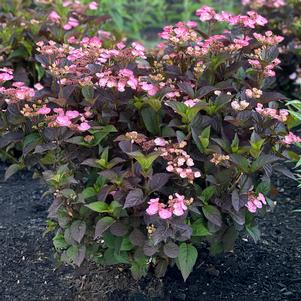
{"points": [[150, 154]]}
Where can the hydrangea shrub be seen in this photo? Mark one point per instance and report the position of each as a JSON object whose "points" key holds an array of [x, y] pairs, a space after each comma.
{"points": [[284, 19], [152, 154], [24, 23]]}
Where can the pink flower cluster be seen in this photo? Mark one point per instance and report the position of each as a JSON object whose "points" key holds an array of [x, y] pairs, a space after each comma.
{"points": [[250, 20], [76, 8], [177, 205], [255, 202], [267, 69], [268, 38], [89, 51], [291, 138], [72, 23], [178, 161], [280, 115], [17, 92], [180, 32], [6, 74], [54, 17], [268, 3], [125, 77], [62, 118]]}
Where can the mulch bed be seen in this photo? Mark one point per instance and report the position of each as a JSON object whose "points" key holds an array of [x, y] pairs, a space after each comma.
{"points": [[270, 270]]}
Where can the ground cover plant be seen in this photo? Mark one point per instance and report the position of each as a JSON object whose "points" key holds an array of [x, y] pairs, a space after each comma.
{"points": [[151, 154]]}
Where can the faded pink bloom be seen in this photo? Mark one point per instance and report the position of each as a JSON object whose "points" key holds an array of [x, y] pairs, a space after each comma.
{"points": [[72, 114], [44, 110], [255, 202], [93, 5], [191, 102], [149, 88], [138, 50], [272, 113], [165, 213], [153, 207], [38, 86], [291, 138], [84, 126], [177, 204], [62, 120], [5, 77], [206, 13], [72, 22], [54, 17], [160, 142]]}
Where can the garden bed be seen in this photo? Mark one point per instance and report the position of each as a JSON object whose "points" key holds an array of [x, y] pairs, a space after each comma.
{"points": [[270, 270]]}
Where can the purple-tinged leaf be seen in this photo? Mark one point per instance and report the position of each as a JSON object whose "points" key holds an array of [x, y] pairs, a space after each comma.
{"points": [[213, 215], [158, 180], [102, 225], [171, 250], [137, 238], [134, 198], [78, 230]]}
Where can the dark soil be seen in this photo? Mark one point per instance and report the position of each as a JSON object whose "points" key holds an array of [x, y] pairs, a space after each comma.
{"points": [[270, 270]]}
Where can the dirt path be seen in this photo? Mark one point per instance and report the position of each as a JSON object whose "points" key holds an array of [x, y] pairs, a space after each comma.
{"points": [[26, 265]]}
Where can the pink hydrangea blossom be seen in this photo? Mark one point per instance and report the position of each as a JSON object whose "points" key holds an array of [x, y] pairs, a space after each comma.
{"points": [[84, 126], [268, 39], [72, 114], [160, 142], [44, 110], [206, 13], [177, 205], [138, 50], [178, 160], [255, 4], [291, 138], [54, 17], [63, 120], [6, 74], [38, 86], [93, 5], [280, 115], [72, 23], [255, 202], [149, 88]]}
